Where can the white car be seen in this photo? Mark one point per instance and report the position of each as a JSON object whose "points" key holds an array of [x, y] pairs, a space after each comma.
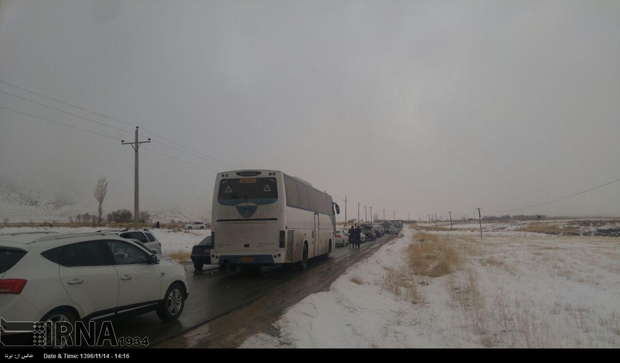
{"points": [[342, 238], [49, 277], [144, 236], [195, 225], [362, 237]]}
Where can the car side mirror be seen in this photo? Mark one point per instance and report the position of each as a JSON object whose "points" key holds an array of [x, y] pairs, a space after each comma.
{"points": [[153, 259]]}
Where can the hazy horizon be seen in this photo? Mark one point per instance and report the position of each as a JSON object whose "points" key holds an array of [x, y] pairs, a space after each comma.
{"points": [[409, 107]]}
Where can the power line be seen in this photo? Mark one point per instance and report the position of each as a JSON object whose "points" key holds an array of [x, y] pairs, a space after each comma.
{"points": [[211, 159], [68, 113], [555, 200], [59, 123], [65, 103], [183, 161], [110, 137]]}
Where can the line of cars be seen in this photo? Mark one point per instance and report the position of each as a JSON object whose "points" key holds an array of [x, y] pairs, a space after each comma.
{"points": [[342, 237], [370, 232], [63, 278]]}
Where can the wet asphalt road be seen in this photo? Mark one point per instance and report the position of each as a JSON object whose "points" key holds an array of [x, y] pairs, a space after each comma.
{"points": [[215, 293]]}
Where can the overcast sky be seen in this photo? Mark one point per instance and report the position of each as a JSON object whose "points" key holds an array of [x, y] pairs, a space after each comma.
{"points": [[412, 107]]}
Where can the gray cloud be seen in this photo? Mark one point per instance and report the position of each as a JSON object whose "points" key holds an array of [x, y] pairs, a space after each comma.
{"points": [[413, 107]]}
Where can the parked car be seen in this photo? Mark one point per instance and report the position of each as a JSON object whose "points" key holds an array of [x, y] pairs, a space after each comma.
{"points": [[195, 225], [201, 253], [50, 277], [144, 236], [369, 232], [386, 226], [379, 231], [394, 230], [342, 238]]}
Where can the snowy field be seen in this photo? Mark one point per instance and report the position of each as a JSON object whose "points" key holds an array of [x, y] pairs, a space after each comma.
{"points": [[512, 288]]}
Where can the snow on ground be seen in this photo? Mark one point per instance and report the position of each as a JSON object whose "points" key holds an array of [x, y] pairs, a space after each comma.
{"points": [[513, 289]]}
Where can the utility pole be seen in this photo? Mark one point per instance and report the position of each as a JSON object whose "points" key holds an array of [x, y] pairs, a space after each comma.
{"points": [[136, 204], [370, 214], [435, 220], [345, 210], [358, 213], [365, 213], [480, 220], [450, 220]]}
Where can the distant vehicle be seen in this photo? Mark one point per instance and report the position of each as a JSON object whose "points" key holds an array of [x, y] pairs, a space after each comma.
{"points": [[386, 226], [379, 231], [144, 236], [195, 225], [85, 276], [266, 218], [342, 238], [369, 232], [201, 253], [393, 230]]}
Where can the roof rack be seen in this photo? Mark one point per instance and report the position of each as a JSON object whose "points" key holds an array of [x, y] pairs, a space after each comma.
{"points": [[69, 235], [135, 229], [21, 233]]}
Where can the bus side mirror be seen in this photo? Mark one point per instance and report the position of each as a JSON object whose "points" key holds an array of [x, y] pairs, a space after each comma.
{"points": [[337, 208]]}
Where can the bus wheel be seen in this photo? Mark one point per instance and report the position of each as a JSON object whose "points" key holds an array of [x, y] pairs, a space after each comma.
{"points": [[304, 258]]}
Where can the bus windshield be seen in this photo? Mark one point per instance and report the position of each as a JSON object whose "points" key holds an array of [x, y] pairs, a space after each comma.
{"points": [[247, 188]]}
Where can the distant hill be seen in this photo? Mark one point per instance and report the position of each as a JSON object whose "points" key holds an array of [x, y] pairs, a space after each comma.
{"points": [[19, 205]]}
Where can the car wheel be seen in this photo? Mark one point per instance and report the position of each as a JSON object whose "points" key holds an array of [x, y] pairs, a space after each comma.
{"points": [[173, 304], [190, 227], [198, 266], [57, 317], [202, 227]]}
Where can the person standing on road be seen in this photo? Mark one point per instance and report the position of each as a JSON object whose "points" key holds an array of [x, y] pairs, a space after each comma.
{"points": [[358, 236], [351, 237]]}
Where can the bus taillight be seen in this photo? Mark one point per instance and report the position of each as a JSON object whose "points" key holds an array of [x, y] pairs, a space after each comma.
{"points": [[282, 239]]}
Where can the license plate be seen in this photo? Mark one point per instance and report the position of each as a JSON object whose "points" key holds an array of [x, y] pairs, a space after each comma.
{"points": [[247, 181], [246, 259]]}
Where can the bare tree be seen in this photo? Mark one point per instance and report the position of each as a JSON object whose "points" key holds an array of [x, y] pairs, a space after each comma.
{"points": [[101, 190]]}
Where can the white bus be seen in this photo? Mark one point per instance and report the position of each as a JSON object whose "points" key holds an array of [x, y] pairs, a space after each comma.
{"points": [[266, 218]]}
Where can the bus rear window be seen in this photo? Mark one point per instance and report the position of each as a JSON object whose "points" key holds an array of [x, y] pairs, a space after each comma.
{"points": [[248, 188]]}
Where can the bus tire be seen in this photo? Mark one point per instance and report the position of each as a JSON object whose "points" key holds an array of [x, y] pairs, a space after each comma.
{"points": [[303, 264]]}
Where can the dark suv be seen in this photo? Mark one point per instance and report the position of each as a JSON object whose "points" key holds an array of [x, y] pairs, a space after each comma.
{"points": [[201, 253]]}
